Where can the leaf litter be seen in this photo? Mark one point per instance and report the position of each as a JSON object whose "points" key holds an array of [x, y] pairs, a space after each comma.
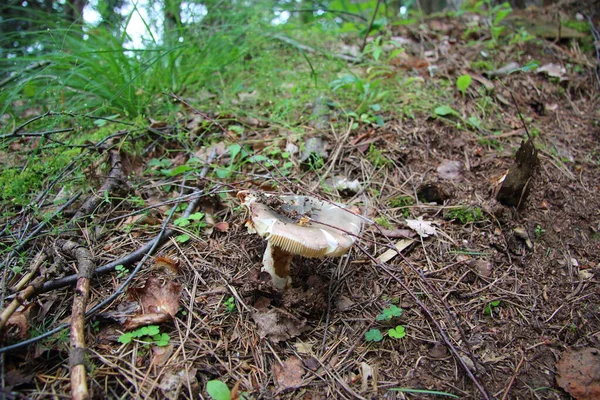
{"points": [[546, 304]]}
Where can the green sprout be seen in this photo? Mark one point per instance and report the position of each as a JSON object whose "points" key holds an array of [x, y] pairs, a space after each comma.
{"points": [[147, 335], [373, 335], [389, 312]]}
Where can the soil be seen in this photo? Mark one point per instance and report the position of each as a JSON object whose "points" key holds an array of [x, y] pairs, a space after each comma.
{"points": [[489, 306]]}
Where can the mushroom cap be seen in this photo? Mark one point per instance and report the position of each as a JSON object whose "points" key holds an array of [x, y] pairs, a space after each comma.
{"points": [[292, 224]]}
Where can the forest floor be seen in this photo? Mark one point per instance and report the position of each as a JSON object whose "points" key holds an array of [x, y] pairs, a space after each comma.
{"points": [[499, 302]]}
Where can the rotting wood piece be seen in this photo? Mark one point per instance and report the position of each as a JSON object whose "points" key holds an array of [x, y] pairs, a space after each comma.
{"points": [[516, 184]]}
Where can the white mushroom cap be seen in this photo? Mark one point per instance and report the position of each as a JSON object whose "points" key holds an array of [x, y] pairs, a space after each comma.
{"points": [[291, 223]]}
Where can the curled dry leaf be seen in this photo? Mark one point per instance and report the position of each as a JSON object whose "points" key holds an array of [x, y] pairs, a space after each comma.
{"points": [[288, 375], [278, 325], [17, 325], [159, 302], [578, 372]]}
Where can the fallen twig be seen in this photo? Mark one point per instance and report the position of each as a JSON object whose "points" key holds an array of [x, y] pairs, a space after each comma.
{"points": [[85, 262], [143, 253]]}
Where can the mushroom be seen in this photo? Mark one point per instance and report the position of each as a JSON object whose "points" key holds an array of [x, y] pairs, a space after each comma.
{"points": [[298, 225]]}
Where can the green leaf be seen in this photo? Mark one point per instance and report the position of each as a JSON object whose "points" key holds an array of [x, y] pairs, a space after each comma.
{"points": [[442, 111], [258, 158], [180, 170], [501, 15], [125, 338], [237, 129], [181, 221], [234, 150], [222, 173], [389, 313], [152, 330], [218, 390], [463, 83], [196, 216], [183, 238], [373, 335], [161, 340], [397, 333]]}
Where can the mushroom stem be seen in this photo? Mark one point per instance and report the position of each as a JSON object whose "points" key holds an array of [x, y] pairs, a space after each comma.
{"points": [[277, 263]]}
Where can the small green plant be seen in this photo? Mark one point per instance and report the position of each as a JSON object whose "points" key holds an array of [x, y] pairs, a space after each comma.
{"points": [[383, 222], [376, 157], [218, 390], [403, 203], [539, 231], [193, 221], [229, 304], [147, 335], [398, 332], [373, 335], [463, 82], [389, 312], [465, 214], [489, 309], [121, 271]]}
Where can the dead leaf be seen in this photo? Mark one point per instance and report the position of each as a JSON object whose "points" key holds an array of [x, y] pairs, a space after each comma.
{"points": [[438, 351], [316, 146], [278, 325], [482, 267], [505, 70], [553, 70], [173, 384], [449, 170], [303, 348], [344, 303], [578, 372], [288, 375], [366, 372], [161, 354], [17, 325], [222, 226], [391, 253], [423, 228], [159, 302]]}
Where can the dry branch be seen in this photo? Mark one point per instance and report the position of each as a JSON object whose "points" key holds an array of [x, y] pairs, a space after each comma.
{"points": [[85, 262]]}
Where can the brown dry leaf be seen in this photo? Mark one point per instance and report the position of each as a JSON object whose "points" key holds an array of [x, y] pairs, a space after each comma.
{"points": [[449, 170], [289, 375], [18, 324], [366, 372], [578, 372], [173, 384], [161, 354], [222, 226], [278, 325], [344, 303], [159, 302]]}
